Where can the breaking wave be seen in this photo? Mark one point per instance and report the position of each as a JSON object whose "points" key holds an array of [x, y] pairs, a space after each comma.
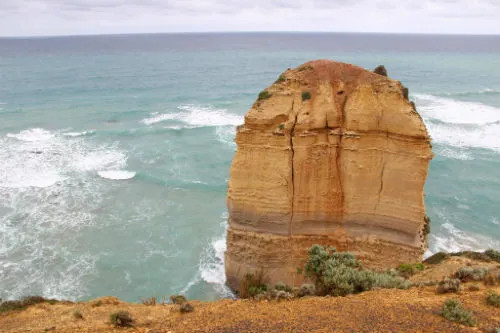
{"points": [[460, 124], [192, 116], [48, 193]]}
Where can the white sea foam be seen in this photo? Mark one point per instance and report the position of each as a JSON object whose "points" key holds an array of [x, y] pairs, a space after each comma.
{"points": [[460, 124], [197, 116], [211, 265], [77, 134], [117, 174], [32, 135], [48, 192]]}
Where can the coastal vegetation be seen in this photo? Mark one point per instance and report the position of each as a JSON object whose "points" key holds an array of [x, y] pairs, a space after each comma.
{"points": [[454, 311], [264, 95], [121, 319], [306, 95]]}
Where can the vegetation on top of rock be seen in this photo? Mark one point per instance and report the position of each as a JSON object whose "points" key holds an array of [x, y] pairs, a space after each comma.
{"points": [[306, 95], [264, 94], [305, 68], [23, 303], [493, 299], [380, 70], [436, 258], [453, 311], [448, 285], [121, 319], [339, 273], [281, 78]]}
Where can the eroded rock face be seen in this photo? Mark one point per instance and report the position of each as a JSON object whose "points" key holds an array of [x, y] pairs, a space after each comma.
{"points": [[334, 155]]}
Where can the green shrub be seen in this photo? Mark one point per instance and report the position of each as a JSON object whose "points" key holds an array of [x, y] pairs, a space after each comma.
{"points": [[307, 290], [281, 78], [121, 319], [448, 286], [453, 311], [408, 270], [280, 286], [493, 299], [493, 254], [306, 95], [339, 273], [283, 295], [305, 68], [471, 274], [23, 303], [427, 219], [253, 285], [282, 127], [264, 95]]}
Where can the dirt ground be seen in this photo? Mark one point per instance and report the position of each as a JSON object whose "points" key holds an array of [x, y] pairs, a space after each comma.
{"points": [[413, 310]]}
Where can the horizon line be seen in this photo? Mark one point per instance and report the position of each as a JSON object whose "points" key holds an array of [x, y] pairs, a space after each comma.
{"points": [[248, 32]]}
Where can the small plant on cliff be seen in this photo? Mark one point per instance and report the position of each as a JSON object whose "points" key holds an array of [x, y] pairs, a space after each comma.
{"points": [[186, 307], [306, 95], [471, 274], [453, 311], [253, 285], [121, 319], [282, 78], [493, 299], [77, 315], [264, 95], [339, 273], [305, 68]]}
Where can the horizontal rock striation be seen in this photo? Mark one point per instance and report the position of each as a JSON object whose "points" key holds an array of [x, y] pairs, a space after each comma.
{"points": [[330, 154]]}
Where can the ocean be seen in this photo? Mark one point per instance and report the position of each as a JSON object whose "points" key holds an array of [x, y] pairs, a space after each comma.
{"points": [[115, 150]]}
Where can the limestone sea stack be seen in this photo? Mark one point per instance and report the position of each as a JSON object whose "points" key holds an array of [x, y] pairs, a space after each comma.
{"points": [[330, 154]]}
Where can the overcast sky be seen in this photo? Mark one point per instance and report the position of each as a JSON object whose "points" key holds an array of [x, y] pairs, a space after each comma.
{"points": [[72, 17]]}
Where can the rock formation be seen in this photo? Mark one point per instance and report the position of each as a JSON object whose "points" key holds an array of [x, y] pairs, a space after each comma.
{"points": [[330, 154]]}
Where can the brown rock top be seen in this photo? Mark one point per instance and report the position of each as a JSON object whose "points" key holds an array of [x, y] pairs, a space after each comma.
{"points": [[330, 154]]}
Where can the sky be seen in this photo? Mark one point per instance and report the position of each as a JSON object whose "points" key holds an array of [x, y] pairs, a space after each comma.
{"points": [[88, 17]]}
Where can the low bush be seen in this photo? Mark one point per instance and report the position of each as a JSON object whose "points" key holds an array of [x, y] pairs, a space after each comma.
{"points": [[121, 319], [76, 314], [264, 95], [23, 303], [493, 299], [453, 311], [280, 286], [178, 299], [407, 270], [339, 273], [493, 255], [305, 68], [306, 95], [281, 78], [471, 274], [253, 285], [186, 307], [492, 278], [307, 290], [448, 286]]}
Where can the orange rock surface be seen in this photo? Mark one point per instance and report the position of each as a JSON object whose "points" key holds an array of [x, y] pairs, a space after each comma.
{"points": [[332, 155]]}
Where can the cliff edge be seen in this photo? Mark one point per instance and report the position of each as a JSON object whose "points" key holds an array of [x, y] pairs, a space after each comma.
{"points": [[330, 154]]}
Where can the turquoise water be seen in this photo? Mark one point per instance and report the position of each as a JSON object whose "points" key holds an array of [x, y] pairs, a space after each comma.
{"points": [[115, 150]]}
